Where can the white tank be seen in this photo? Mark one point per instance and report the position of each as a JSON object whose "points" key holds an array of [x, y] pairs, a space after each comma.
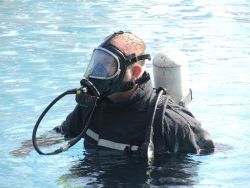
{"points": [[170, 72]]}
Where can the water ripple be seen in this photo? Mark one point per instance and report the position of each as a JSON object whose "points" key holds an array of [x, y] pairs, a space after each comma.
{"points": [[45, 48]]}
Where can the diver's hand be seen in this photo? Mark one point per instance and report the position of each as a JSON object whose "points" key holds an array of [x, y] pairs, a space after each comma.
{"points": [[47, 139], [24, 150]]}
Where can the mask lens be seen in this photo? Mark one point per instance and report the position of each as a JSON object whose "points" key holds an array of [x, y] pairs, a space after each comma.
{"points": [[103, 65]]}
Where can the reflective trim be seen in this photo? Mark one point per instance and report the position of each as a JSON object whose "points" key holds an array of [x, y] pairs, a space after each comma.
{"points": [[134, 148], [108, 143], [115, 145], [92, 134]]}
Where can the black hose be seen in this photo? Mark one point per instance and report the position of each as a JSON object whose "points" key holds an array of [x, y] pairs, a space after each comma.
{"points": [[86, 84], [72, 141], [73, 91]]}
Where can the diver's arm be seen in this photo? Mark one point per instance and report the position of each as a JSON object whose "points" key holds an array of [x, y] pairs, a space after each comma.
{"points": [[47, 139], [183, 133], [197, 134], [69, 128], [203, 140]]}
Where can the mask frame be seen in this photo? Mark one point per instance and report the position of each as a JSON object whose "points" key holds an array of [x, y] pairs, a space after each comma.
{"points": [[87, 74]]}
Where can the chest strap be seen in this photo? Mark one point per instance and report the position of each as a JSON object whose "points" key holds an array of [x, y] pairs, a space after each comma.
{"points": [[110, 144]]}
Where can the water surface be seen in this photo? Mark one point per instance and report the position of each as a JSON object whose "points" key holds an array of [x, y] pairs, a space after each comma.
{"points": [[45, 47]]}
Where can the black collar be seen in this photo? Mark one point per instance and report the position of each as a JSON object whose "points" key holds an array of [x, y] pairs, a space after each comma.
{"points": [[136, 101]]}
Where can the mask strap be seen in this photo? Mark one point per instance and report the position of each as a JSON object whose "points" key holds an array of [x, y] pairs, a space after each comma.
{"points": [[144, 78], [133, 58], [110, 37]]}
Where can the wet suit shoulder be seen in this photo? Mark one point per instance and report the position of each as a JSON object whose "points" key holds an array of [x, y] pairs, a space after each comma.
{"points": [[177, 130]]}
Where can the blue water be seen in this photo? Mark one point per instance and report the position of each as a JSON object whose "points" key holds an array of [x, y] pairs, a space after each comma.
{"points": [[44, 50]]}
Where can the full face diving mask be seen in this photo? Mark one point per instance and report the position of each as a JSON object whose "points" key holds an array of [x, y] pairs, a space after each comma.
{"points": [[107, 68]]}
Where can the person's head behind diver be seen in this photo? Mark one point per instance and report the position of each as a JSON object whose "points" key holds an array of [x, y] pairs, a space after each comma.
{"points": [[117, 66]]}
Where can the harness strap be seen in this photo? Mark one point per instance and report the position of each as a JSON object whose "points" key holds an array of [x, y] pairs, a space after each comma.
{"points": [[150, 110], [186, 100], [162, 103]]}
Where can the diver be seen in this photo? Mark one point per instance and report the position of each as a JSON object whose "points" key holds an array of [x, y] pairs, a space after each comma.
{"points": [[123, 112]]}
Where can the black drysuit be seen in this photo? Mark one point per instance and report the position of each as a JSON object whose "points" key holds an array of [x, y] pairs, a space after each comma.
{"points": [[124, 125]]}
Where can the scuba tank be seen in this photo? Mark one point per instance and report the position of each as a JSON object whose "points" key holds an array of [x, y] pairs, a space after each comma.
{"points": [[170, 72], [171, 78]]}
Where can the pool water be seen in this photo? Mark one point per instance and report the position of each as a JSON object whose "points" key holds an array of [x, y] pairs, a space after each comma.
{"points": [[45, 47]]}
